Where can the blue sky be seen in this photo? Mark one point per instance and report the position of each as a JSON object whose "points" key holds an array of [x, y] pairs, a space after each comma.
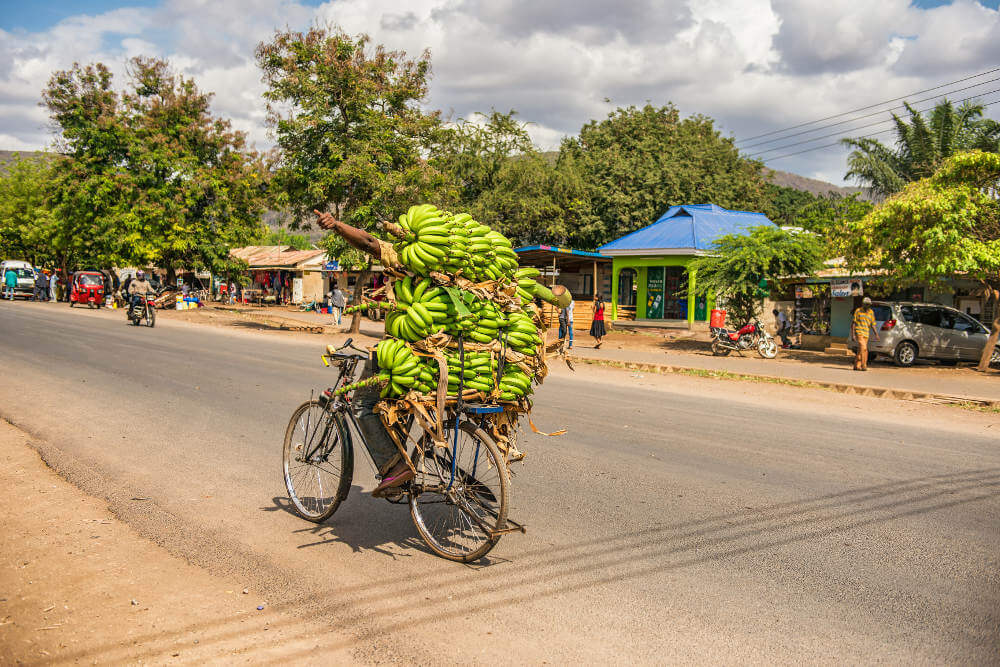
{"points": [[755, 66]]}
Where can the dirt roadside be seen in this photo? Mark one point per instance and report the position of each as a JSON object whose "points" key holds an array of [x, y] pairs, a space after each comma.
{"points": [[79, 586]]}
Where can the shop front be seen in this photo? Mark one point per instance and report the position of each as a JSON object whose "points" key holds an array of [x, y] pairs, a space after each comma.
{"points": [[650, 267]]}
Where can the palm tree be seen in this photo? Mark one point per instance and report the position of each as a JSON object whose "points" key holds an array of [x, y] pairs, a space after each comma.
{"points": [[921, 145]]}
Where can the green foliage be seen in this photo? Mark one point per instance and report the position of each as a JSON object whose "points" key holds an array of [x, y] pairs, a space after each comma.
{"points": [[640, 161], [475, 152], [503, 182], [938, 226], [282, 236], [534, 202], [350, 129], [946, 224], [741, 263], [26, 210], [349, 126], [784, 204], [921, 145], [152, 178]]}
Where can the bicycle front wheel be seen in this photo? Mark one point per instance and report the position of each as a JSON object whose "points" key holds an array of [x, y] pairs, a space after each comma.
{"points": [[318, 461], [459, 504]]}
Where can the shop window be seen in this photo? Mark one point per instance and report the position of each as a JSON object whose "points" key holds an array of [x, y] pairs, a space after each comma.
{"points": [[627, 287]]}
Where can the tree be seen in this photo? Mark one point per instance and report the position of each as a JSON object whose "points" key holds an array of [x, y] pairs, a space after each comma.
{"points": [[785, 203], [351, 132], [921, 145], [639, 162], [26, 210], [475, 152], [282, 236], [937, 227], [740, 265], [152, 178]]}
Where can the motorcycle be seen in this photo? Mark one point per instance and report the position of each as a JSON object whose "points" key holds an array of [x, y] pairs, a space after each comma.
{"points": [[143, 309], [752, 336]]}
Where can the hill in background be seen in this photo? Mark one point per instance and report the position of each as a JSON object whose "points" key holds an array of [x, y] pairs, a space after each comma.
{"points": [[810, 185]]}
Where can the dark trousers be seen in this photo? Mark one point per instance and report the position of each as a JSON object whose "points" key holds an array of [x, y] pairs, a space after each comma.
{"points": [[377, 440]]}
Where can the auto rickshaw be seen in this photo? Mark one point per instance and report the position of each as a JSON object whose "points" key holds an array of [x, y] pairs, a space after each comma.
{"points": [[87, 287]]}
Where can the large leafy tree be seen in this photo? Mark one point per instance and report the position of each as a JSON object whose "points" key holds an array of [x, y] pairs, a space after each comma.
{"points": [[504, 182], [26, 213], [938, 227], [640, 161], [151, 177], [921, 145], [741, 265], [350, 129], [474, 152]]}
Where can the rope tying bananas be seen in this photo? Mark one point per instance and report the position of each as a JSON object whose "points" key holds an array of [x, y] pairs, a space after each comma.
{"points": [[452, 278]]}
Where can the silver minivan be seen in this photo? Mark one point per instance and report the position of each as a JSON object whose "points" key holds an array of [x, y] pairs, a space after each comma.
{"points": [[908, 331]]}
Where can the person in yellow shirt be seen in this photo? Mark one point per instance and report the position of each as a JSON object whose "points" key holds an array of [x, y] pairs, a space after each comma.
{"points": [[862, 324]]}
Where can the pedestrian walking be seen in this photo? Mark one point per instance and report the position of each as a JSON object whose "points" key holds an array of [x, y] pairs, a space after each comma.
{"points": [[41, 286], [9, 283], [862, 324], [337, 302], [53, 284], [781, 324], [566, 324], [232, 292], [597, 329]]}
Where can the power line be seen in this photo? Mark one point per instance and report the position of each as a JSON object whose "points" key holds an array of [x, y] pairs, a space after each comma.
{"points": [[860, 127], [870, 106], [875, 113], [837, 143]]}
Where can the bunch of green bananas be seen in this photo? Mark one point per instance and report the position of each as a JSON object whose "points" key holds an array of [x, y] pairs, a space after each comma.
{"points": [[421, 310], [522, 334], [514, 383], [478, 371], [525, 277], [427, 242], [491, 254], [399, 368], [488, 321]]}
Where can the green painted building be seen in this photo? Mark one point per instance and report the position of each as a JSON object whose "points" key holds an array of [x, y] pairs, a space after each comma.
{"points": [[649, 266]]}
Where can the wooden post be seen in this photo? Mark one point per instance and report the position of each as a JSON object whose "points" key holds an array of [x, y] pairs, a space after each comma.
{"points": [[595, 279]]}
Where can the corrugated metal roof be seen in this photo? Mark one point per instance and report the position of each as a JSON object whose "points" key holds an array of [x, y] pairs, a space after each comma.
{"points": [[275, 255], [691, 227]]}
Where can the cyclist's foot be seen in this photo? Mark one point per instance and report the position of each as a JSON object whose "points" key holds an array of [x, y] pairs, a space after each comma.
{"points": [[400, 474]]}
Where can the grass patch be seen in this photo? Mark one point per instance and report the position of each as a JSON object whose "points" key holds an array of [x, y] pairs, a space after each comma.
{"points": [[664, 369]]}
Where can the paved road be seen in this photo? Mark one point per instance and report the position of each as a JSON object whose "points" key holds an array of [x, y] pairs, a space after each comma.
{"points": [[674, 522]]}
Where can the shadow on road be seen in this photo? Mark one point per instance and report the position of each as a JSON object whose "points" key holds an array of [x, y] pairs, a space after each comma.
{"points": [[448, 591]]}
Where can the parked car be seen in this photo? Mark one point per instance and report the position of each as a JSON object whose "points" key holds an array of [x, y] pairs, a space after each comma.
{"points": [[25, 277], [908, 331]]}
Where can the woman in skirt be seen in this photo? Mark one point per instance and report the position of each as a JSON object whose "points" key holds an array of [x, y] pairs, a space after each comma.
{"points": [[597, 329]]}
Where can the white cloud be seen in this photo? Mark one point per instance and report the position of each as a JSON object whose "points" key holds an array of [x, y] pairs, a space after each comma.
{"points": [[755, 65]]}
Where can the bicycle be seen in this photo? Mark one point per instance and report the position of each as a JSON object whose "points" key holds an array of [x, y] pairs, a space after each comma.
{"points": [[458, 498]]}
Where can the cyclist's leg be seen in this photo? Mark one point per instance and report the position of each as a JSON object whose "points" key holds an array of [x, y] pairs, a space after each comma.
{"points": [[380, 445]]}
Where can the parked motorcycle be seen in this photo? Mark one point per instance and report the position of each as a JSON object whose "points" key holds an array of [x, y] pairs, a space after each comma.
{"points": [[750, 337]]}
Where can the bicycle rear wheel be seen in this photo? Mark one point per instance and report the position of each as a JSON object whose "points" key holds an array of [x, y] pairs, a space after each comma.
{"points": [[460, 516], [318, 461]]}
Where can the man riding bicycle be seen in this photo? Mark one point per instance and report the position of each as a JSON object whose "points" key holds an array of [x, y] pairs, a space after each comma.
{"points": [[138, 288]]}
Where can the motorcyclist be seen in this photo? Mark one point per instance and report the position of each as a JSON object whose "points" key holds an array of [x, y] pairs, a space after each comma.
{"points": [[137, 289]]}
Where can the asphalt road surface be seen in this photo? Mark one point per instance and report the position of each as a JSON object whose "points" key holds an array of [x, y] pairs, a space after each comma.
{"points": [[681, 519]]}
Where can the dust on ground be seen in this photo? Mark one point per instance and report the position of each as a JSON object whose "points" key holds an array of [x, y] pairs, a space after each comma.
{"points": [[78, 585]]}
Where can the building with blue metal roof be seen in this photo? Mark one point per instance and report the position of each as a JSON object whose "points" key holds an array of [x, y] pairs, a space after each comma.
{"points": [[649, 266]]}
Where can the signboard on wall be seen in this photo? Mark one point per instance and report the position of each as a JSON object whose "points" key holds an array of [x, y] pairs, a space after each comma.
{"points": [[654, 293], [803, 292], [847, 288]]}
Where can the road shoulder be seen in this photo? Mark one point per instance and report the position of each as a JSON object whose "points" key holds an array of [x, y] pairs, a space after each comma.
{"points": [[77, 584]]}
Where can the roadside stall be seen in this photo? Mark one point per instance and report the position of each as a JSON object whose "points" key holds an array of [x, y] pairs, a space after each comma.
{"points": [[577, 270]]}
